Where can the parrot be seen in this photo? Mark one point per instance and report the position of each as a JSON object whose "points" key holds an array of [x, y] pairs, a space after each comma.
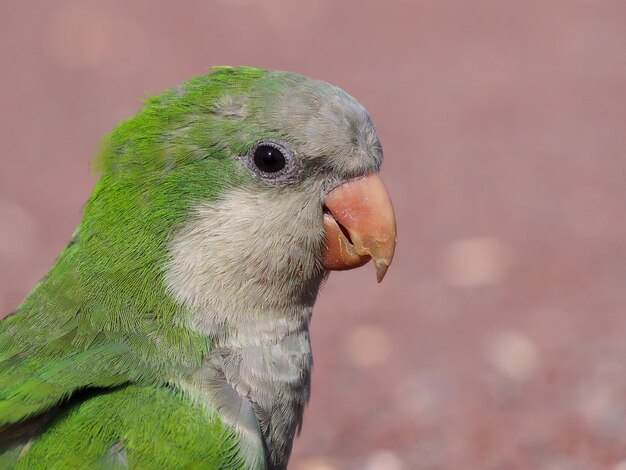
{"points": [[172, 331]]}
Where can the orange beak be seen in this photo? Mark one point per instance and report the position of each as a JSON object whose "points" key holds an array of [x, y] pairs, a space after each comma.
{"points": [[360, 225]]}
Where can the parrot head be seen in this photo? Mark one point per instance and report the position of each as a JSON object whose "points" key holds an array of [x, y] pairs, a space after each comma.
{"points": [[243, 184]]}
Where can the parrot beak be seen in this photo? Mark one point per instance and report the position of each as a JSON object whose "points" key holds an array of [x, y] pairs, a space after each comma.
{"points": [[360, 225]]}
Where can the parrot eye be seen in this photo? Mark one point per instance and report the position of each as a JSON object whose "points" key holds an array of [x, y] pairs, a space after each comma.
{"points": [[273, 160], [268, 158]]}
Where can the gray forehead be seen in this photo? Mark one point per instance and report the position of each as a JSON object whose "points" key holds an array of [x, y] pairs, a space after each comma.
{"points": [[322, 122]]}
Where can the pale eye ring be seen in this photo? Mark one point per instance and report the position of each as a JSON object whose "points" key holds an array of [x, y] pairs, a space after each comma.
{"points": [[273, 160]]}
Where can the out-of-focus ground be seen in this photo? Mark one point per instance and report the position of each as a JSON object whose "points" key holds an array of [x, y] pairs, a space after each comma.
{"points": [[498, 338]]}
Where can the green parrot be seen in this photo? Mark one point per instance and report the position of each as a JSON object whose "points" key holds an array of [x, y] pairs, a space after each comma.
{"points": [[172, 330]]}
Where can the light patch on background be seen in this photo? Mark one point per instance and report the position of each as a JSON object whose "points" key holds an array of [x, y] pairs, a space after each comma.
{"points": [[383, 460], [621, 465], [514, 355], [18, 231], [476, 262], [598, 402], [368, 346], [600, 397]]}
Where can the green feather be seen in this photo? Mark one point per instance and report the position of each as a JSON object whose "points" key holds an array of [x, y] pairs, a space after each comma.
{"points": [[136, 427]]}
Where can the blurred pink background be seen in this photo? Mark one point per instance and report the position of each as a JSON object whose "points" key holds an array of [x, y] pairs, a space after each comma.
{"points": [[497, 341]]}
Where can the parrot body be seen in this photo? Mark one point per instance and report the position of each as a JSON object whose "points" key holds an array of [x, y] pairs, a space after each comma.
{"points": [[172, 331]]}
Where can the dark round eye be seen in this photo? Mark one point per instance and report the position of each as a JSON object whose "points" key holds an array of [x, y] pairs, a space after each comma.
{"points": [[273, 161], [269, 159]]}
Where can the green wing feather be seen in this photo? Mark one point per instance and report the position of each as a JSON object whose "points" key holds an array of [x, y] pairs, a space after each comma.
{"points": [[132, 427]]}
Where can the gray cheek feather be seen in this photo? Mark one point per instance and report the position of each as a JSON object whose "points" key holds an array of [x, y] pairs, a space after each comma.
{"points": [[248, 268], [259, 250]]}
